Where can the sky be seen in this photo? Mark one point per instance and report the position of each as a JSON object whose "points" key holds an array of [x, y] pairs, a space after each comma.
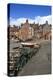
{"points": [[18, 13]]}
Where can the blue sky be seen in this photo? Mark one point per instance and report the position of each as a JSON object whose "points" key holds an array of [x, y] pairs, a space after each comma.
{"points": [[17, 11], [28, 11]]}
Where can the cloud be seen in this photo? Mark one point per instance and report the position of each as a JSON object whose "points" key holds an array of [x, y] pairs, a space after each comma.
{"points": [[37, 19], [17, 21], [43, 19]]}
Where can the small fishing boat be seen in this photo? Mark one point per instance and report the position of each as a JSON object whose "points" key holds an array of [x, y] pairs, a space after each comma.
{"points": [[31, 45]]}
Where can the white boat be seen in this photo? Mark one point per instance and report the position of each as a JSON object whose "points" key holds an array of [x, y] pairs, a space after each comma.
{"points": [[30, 44]]}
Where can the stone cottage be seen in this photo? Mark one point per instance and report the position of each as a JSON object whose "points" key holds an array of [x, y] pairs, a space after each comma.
{"points": [[26, 32], [47, 31]]}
